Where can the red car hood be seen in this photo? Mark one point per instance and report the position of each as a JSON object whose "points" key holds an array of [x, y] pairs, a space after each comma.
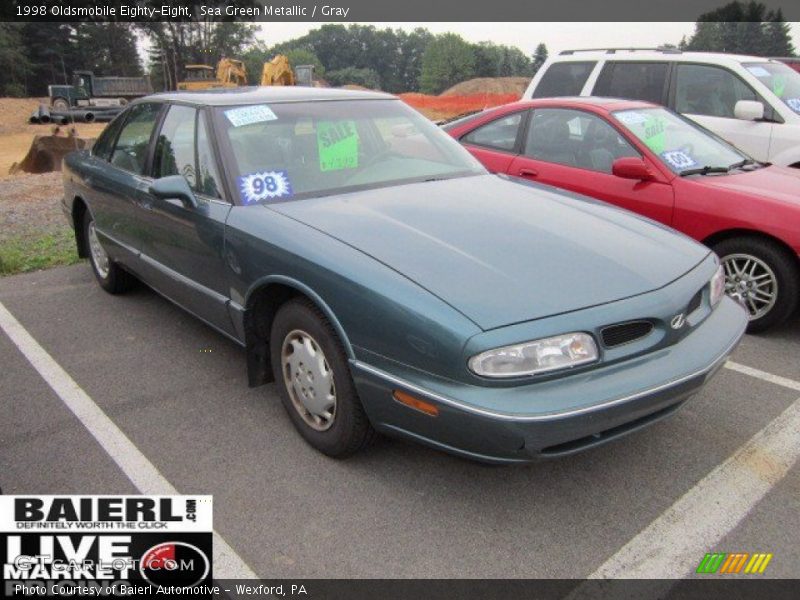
{"points": [[775, 183]]}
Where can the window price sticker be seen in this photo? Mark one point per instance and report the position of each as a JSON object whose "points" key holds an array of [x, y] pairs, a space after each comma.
{"points": [[264, 185]]}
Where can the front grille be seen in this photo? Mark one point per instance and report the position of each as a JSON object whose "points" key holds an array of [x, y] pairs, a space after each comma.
{"points": [[616, 335]]}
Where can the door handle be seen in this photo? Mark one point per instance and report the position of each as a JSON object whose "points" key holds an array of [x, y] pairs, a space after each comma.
{"points": [[527, 172]]}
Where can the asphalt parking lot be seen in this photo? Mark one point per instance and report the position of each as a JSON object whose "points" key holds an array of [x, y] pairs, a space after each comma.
{"points": [[178, 391]]}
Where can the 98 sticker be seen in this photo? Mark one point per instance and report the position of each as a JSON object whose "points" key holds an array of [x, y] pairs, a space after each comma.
{"points": [[265, 185]]}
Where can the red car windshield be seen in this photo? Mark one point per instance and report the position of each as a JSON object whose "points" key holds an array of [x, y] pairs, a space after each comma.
{"points": [[681, 145]]}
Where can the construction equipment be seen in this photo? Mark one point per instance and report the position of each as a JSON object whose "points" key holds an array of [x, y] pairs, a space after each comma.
{"points": [[47, 152], [230, 73], [278, 71], [88, 90]]}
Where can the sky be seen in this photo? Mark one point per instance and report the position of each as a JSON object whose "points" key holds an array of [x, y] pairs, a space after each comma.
{"points": [[526, 36]]}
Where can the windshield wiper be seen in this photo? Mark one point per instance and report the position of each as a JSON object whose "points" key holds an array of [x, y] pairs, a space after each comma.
{"points": [[704, 170], [744, 163]]}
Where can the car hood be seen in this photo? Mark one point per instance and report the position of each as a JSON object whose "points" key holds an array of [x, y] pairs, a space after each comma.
{"points": [[501, 251], [773, 182]]}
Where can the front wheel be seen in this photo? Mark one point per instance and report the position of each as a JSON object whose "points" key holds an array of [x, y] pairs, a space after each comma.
{"points": [[60, 105], [314, 381], [763, 277], [111, 277]]}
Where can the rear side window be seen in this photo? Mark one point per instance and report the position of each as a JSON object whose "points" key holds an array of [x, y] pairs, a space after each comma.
{"points": [[564, 79], [175, 147], [102, 147], [500, 134], [130, 153], [634, 80]]}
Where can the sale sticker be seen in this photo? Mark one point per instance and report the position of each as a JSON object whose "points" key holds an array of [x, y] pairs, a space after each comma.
{"points": [[337, 142], [264, 185], [631, 117], [679, 160], [654, 135]]}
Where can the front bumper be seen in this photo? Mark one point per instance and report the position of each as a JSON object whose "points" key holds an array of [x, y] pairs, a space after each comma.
{"points": [[596, 406]]}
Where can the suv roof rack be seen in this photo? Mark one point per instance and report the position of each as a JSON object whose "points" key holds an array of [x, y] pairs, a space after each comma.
{"points": [[664, 49]]}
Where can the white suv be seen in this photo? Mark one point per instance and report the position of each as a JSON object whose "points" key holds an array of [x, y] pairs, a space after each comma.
{"points": [[752, 102]]}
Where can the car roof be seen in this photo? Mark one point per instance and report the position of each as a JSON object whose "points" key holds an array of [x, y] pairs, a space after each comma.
{"points": [[656, 55], [272, 94]]}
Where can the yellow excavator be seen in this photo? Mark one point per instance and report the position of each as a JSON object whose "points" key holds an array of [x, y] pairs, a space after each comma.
{"points": [[278, 71], [229, 73]]}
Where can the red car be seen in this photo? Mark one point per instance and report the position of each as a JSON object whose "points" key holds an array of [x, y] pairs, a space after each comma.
{"points": [[650, 160]]}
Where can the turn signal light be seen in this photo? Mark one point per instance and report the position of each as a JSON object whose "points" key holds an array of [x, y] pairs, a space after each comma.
{"points": [[415, 403]]}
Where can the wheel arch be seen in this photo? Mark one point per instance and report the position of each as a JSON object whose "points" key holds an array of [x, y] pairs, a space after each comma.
{"points": [[727, 234], [262, 303], [79, 209]]}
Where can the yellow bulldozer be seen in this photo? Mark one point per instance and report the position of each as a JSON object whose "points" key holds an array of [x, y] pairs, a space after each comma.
{"points": [[229, 73], [279, 71]]}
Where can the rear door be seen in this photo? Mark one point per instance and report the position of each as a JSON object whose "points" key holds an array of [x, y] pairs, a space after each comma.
{"points": [[574, 150], [116, 175], [184, 246]]}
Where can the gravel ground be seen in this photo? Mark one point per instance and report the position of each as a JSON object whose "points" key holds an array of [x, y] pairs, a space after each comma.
{"points": [[31, 205]]}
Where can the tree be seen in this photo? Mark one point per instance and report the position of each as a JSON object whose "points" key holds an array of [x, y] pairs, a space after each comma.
{"points": [[742, 28], [107, 49], [176, 44], [14, 64], [412, 49], [367, 78], [538, 58], [447, 61]]}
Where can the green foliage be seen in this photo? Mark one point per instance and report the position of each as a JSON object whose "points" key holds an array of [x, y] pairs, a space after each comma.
{"points": [[448, 60], [367, 78], [304, 56], [538, 58], [492, 60], [742, 28], [33, 252]]}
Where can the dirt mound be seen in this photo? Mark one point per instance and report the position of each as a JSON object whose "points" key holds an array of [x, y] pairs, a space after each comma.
{"points": [[47, 152], [489, 85], [14, 113]]}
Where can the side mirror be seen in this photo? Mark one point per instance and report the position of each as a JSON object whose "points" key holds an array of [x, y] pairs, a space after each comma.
{"points": [[630, 167], [748, 110], [174, 187]]}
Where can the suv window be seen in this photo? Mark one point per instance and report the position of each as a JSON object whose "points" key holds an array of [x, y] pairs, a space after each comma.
{"points": [[575, 138], [175, 146], [500, 133], [634, 80], [130, 153], [707, 90], [564, 79]]}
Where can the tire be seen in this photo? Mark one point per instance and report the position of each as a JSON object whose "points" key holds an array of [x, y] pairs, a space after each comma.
{"points": [[337, 430], [60, 105], [111, 277], [766, 267]]}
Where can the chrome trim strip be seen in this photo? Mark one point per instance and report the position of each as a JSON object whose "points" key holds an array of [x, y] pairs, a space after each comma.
{"points": [[547, 416]]}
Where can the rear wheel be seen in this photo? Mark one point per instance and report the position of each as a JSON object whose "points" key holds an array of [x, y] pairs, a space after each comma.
{"points": [[111, 277], [314, 381], [763, 277]]}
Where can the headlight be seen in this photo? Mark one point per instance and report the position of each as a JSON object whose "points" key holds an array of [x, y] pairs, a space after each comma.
{"points": [[717, 287], [538, 356]]}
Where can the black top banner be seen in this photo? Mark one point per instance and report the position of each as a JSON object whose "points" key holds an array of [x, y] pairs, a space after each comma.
{"points": [[371, 10]]}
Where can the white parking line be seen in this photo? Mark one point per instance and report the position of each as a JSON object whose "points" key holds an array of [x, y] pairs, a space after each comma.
{"points": [[672, 545], [135, 465], [776, 379]]}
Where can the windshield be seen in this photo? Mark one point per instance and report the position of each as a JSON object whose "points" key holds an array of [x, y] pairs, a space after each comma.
{"points": [[680, 144], [283, 151], [781, 79]]}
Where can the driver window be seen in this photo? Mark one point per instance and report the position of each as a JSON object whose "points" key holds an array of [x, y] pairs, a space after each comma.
{"points": [[175, 146], [576, 139], [710, 91]]}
